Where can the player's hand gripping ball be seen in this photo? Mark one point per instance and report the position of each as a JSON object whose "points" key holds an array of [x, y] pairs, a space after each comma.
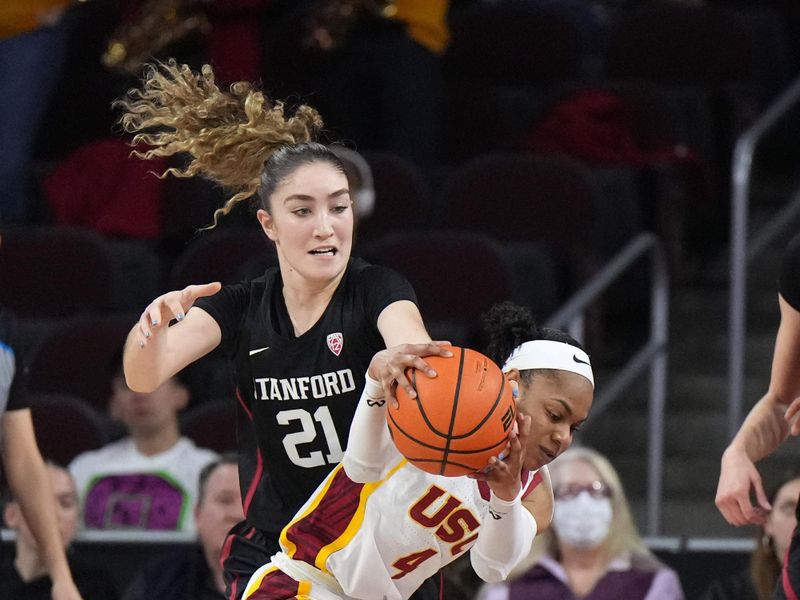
{"points": [[459, 419]]}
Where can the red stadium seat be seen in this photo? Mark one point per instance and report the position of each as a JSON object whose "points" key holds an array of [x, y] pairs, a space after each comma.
{"points": [[77, 358], [220, 255], [50, 272], [211, 424], [457, 275], [66, 426], [527, 199]]}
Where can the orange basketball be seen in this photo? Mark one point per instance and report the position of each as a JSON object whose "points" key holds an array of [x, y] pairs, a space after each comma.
{"points": [[459, 419]]}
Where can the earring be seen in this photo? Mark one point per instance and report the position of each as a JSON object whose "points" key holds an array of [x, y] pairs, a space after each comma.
{"points": [[766, 541]]}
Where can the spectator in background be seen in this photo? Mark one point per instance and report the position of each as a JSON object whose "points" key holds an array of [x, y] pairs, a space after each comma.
{"points": [[593, 550], [33, 37], [148, 479], [26, 578], [757, 582], [197, 572]]}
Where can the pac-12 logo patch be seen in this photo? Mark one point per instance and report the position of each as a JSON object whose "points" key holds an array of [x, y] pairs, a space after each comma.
{"points": [[336, 342]]}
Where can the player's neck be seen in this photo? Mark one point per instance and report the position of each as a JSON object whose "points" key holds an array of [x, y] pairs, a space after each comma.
{"points": [[306, 303]]}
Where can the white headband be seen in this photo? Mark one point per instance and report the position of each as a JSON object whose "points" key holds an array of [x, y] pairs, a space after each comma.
{"points": [[547, 354]]}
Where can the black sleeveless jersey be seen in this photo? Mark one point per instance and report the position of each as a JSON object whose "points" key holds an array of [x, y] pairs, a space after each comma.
{"points": [[296, 395], [790, 273]]}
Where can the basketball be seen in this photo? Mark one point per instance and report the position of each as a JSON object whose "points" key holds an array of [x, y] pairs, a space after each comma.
{"points": [[459, 419]]}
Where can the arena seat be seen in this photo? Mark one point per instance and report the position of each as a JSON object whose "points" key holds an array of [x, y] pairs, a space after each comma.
{"points": [[66, 426], [55, 271]]}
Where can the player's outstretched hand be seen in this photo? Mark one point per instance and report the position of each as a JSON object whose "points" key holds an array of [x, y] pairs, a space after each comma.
{"points": [[504, 475], [172, 305], [738, 475], [389, 366]]}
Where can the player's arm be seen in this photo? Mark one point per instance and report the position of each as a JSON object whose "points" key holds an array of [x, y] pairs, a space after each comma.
{"points": [[400, 323], [540, 503], [154, 351], [369, 446], [765, 428], [507, 532], [30, 484]]}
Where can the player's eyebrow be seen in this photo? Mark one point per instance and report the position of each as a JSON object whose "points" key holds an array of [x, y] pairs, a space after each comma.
{"points": [[306, 197], [566, 406]]}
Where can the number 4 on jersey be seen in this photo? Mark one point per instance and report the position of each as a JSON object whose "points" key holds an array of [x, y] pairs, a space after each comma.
{"points": [[406, 564]]}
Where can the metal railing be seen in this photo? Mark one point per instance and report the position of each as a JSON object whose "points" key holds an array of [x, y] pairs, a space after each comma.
{"points": [[743, 250], [652, 354], [150, 538]]}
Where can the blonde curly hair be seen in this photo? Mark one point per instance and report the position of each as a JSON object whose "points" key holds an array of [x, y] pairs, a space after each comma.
{"points": [[237, 138]]}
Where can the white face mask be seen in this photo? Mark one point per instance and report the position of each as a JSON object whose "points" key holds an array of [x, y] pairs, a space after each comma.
{"points": [[582, 521]]}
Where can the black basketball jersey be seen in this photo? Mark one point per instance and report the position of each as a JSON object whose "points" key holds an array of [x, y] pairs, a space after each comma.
{"points": [[790, 273], [296, 395]]}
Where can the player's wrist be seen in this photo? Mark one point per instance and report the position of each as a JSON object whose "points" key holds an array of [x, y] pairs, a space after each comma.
{"points": [[373, 388], [506, 496], [734, 452]]}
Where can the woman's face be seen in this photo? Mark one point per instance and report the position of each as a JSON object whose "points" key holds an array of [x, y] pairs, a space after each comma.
{"points": [[583, 508], [781, 521], [311, 222], [67, 509], [557, 407]]}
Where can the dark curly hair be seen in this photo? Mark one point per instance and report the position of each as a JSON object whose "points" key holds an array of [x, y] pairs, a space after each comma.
{"points": [[508, 325]]}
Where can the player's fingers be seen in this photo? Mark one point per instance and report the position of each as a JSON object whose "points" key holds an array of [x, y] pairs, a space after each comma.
{"points": [[192, 292], [500, 467], [391, 397], [791, 415], [793, 408], [752, 514], [418, 363], [175, 307], [143, 330], [730, 509], [505, 452], [154, 314], [439, 348], [399, 376], [734, 516], [524, 427], [761, 495]]}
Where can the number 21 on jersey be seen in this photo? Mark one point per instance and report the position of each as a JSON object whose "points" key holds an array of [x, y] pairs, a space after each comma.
{"points": [[308, 422]]}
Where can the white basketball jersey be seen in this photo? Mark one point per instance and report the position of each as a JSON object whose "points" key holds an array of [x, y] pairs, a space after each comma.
{"points": [[381, 540]]}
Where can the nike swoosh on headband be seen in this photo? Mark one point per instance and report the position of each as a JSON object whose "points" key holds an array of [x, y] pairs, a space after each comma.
{"points": [[578, 360]]}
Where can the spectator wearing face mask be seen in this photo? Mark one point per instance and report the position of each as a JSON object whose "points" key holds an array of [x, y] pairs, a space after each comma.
{"points": [[593, 551]]}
